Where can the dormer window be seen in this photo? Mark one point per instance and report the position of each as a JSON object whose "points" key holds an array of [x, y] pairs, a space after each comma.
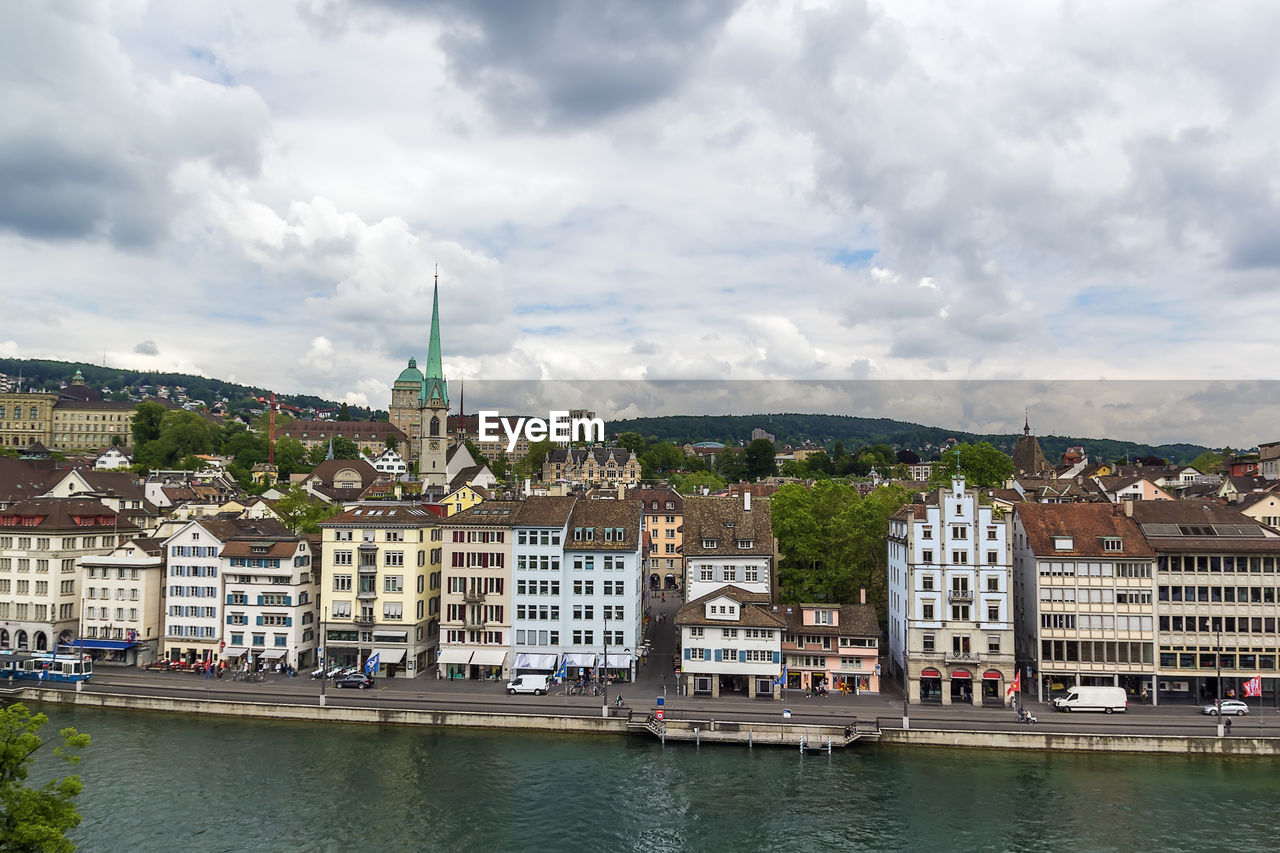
{"points": [[1063, 543], [1112, 543], [708, 543], [745, 543]]}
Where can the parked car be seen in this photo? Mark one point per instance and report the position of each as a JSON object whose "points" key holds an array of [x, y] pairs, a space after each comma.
{"points": [[1229, 707], [354, 679]]}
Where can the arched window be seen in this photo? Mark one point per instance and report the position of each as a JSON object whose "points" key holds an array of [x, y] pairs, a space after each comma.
{"points": [[1, 411], [33, 413], [435, 426]]}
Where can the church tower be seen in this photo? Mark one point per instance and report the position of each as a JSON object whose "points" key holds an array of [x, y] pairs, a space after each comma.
{"points": [[433, 402]]}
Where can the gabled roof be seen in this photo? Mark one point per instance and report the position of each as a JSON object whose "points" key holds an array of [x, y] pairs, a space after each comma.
{"points": [[64, 514], [388, 515], [855, 620], [1086, 525], [546, 511], [489, 514], [754, 610], [604, 514], [328, 469], [726, 521]]}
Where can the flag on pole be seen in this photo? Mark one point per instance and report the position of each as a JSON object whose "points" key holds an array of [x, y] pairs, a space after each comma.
{"points": [[1015, 686], [371, 665], [563, 672], [781, 680], [1253, 687]]}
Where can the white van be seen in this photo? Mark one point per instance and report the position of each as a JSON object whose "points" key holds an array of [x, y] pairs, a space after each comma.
{"points": [[1106, 699], [528, 683]]}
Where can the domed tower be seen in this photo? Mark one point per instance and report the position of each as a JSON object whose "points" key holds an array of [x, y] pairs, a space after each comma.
{"points": [[405, 414], [433, 403]]}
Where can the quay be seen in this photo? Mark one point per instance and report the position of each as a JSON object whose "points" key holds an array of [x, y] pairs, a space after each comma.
{"points": [[696, 722]]}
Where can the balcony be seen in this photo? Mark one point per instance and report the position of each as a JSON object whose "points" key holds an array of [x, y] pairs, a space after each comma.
{"points": [[963, 657], [473, 597], [366, 595], [473, 625], [959, 595], [364, 620]]}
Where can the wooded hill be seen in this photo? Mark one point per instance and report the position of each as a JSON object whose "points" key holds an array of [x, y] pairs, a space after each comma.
{"points": [[853, 432]]}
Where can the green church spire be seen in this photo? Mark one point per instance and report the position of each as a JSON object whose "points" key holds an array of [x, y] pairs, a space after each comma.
{"points": [[435, 391]]}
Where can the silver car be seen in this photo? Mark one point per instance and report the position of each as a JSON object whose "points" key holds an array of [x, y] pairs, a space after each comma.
{"points": [[1229, 707]]}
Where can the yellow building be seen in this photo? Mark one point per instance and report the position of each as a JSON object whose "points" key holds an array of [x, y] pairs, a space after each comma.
{"points": [[90, 425], [381, 589], [462, 498], [25, 419]]}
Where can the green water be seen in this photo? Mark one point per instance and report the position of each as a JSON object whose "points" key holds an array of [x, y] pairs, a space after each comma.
{"points": [[155, 782]]}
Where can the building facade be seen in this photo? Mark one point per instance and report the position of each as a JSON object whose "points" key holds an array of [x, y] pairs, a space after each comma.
{"points": [[831, 646], [951, 636], [540, 596], [271, 601], [1084, 594], [122, 605], [664, 522], [729, 542], [381, 580], [731, 642], [42, 542], [476, 611]]}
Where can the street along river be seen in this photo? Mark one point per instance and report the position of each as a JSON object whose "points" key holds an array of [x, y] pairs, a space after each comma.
{"points": [[161, 782]]}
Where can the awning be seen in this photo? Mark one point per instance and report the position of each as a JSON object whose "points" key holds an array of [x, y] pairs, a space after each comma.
{"points": [[930, 672], [233, 651], [114, 645], [619, 661], [961, 674], [273, 654], [489, 657], [524, 661], [391, 637], [454, 656], [580, 659], [386, 656], [992, 674]]}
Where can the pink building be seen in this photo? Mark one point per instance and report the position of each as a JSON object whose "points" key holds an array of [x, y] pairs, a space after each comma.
{"points": [[833, 645]]}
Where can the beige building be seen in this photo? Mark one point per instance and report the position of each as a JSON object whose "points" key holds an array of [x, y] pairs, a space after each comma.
{"points": [[476, 624], [664, 522], [83, 426], [381, 588], [41, 544], [592, 466], [25, 419]]}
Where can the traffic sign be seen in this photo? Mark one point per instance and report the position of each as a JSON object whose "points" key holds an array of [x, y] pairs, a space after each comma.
{"points": [[658, 714]]}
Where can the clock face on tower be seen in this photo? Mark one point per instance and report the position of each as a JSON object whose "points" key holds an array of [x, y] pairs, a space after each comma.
{"points": [[435, 445]]}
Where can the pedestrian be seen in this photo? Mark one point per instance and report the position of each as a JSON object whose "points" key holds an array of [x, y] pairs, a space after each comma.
{"points": [[1226, 724], [1145, 697]]}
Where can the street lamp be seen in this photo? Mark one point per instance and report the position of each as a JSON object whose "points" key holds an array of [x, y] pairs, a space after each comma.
{"points": [[1217, 659]]}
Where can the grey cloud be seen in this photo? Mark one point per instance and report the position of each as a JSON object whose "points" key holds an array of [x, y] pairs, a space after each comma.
{"points": [[147, 348], [644, 348], [576, 61], [97, 144]]}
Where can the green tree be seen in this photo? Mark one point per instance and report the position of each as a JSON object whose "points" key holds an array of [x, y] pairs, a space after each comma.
{"points": [[695, 481], [983, 466], [632, 441], [759, 459], [343, 448], [343, 413], [1209, 462], [731, 466], [299, 511], [530, 467], [291, 457], [146, 422], [833, 540], [35, 819]]}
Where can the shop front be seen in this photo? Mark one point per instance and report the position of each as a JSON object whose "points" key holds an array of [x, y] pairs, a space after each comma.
{"points": [[489, 664], [930, 685], [454, 663]]}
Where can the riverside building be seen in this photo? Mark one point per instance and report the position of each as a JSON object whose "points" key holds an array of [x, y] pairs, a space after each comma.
{"points": [[380, 588], [951, 636]]}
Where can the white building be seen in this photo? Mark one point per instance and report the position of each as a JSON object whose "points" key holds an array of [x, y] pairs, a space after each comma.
{"points": [[271, 600], [731, 641], [112, 459], [603, 576], [540, 598], [193, 610], [951, 634], [728, 542], [122, 607], [390, 462]]}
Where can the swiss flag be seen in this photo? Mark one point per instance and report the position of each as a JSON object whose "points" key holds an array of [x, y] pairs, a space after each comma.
{"points": [[1253, 687], [1015, 686]]}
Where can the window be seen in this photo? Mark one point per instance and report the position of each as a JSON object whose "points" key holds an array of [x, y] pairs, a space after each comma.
{"points": [[393, 583], [959, 531], [926, 582], [960, 612], [993, 557], [1063, 543], [960, 557], [1112, 543], [926, 532], [746, 543], [708, 543], [926, 642], [993, 612], [392, 610], [926, 556], [926, 612], [993, 584], [394, 558], [706, 573], [993, 644], [991, 533], [342, 583]]}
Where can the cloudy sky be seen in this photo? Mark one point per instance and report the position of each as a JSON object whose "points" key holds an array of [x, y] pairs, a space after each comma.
{"points": [[670, 190]]}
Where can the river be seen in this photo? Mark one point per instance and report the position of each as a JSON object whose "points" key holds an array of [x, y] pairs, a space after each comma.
{"points": [[157, 782]]}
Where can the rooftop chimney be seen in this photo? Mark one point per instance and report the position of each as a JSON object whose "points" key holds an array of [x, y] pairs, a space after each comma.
{"points": [[746, 499], [1128, 509]]}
